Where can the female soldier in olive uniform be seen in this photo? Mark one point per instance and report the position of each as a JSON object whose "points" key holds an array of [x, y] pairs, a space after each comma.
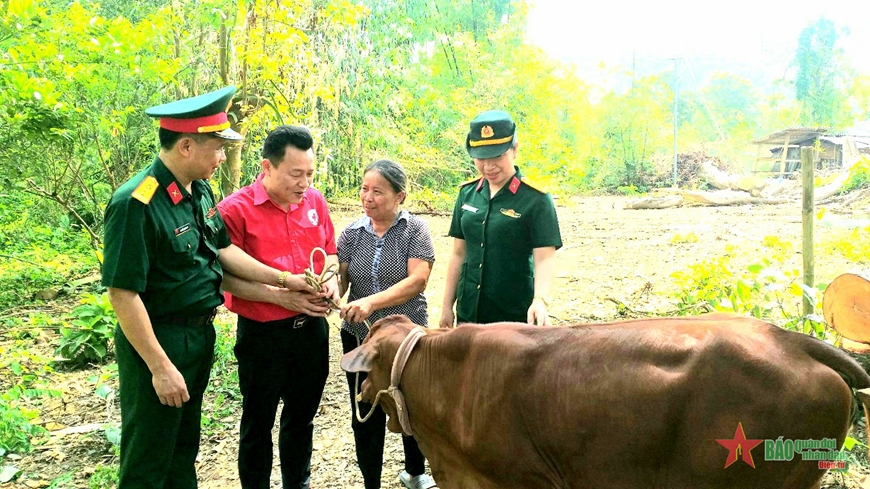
{"points": [[165, 246], [505, 235]]}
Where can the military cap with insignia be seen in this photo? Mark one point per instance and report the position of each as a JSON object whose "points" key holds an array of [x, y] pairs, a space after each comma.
{"points": [[203, 114], [491, 134]]}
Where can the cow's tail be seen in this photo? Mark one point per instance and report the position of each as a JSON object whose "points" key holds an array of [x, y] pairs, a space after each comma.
{"points": [[849, 370]]}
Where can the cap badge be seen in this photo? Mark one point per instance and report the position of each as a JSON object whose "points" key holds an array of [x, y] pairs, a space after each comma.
{"points": [[486, 132]]}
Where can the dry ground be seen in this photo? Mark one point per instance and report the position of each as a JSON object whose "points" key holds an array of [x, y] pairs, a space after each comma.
{"points": [[609, 253]]}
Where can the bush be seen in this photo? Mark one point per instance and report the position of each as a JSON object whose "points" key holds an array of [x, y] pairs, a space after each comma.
{"points": [[92, 331], [762, 289], [859, 176], [25, 373]]}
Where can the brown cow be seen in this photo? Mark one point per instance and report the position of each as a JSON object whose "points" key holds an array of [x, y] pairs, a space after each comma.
{"points": [[622, 405]]}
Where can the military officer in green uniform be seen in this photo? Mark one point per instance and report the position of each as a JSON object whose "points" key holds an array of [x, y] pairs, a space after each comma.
{"points": [[505, 235], [165, 250]]}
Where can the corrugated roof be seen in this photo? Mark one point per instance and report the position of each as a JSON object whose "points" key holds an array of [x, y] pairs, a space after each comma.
{"points": [[796, 135]]}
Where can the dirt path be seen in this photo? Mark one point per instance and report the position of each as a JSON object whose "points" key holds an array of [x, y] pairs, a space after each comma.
{"points": [[627, 255]]}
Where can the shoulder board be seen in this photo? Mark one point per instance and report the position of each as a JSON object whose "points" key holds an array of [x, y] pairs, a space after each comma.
{"points": [[539, 186], [145, 191], [473, 180]]}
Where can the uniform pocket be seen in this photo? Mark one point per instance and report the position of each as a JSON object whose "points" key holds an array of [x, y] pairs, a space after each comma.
{"points": [[185, 243]]}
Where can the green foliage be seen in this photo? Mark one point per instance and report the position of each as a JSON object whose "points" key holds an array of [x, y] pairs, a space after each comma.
{"points": [[634, 127], [23, 374], [859, 176], [90, 331], [431, 200], [762, 289], [818, 84], [224, 381], [62, 481], [16, 430], [104, 477], [39, 250]]}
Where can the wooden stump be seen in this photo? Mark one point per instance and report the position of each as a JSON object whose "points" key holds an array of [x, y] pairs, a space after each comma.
{"points": [[846, 307]]}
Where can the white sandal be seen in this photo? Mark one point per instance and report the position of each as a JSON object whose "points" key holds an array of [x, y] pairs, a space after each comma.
{"points": [[422, 481]]}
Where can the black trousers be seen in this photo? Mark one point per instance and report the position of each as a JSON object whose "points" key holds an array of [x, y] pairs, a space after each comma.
{"points": [[369, 436], [279, 362], [159, 443]]}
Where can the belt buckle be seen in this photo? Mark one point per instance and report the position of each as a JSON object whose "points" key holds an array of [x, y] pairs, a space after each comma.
{"points": [[299, 321]]}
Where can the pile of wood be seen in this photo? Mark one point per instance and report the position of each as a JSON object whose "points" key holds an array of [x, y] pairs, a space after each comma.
{"points": [[738, 189]]}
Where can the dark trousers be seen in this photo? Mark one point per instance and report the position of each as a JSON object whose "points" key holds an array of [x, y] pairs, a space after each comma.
{"points": [[278, 362], [369, 436], [159, 443]]}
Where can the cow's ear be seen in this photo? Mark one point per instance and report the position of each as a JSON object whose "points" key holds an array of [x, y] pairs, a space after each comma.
{"points": [[360, 359]]}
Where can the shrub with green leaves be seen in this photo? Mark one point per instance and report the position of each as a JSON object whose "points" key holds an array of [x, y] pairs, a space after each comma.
{"points": [[24, 375], [859, 176], [104, 477], [766, 289], [90, 332], [16, 430]]}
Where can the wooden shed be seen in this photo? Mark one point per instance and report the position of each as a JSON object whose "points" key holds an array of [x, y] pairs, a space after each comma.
{"points": [[780, 152]]}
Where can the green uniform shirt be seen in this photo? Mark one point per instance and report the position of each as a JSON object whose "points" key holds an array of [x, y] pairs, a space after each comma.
{"points": [[496, 281], [165, 249]]}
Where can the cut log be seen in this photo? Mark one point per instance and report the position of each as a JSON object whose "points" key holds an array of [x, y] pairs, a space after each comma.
{"points": [[846, 306], [723, 181], [727, 197], [655, 202]]}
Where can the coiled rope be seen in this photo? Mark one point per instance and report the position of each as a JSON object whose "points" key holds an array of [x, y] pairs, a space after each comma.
{"points": [[316, 281]]}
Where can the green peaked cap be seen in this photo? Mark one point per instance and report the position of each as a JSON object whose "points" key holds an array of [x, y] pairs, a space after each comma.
{"points": [[203, 114]]}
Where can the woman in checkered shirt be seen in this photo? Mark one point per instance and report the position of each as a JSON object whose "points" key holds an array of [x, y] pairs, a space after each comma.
{"points": [[385, 258]]}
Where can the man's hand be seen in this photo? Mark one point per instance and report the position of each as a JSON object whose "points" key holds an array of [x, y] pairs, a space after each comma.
{"points": [[170, 386], [448, 319], [356, 311], [304, 302], [298, 283]]}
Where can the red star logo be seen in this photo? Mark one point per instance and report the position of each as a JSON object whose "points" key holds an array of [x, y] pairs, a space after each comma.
{"points": [[739, 445]]}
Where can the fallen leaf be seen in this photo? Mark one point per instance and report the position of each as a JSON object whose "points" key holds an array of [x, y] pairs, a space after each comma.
{"points": [[8, 472]]}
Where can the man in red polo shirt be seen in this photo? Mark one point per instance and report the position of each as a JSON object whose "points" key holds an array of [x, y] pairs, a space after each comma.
{"points": [[282, 337]]}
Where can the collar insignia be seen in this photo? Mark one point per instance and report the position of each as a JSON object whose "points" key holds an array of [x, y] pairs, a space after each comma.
{"points": [[174, 193]]}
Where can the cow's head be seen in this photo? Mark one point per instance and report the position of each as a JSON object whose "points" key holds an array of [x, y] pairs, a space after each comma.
{"points": [[375, 357]]}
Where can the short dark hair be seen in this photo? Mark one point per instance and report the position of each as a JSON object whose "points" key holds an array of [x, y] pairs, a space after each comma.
{"points": [[277, 141], [168, 138], [392, 172]]}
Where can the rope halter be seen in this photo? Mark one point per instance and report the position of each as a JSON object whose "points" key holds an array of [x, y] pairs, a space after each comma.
{"points": [[399, 361]]}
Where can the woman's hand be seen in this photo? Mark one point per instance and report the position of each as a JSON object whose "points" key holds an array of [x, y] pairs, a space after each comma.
{"points": [[356, 311], [448, 319], [537, 315]]}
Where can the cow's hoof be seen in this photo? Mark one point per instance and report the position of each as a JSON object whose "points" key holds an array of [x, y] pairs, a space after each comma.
{"points": [[422, 481]]}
